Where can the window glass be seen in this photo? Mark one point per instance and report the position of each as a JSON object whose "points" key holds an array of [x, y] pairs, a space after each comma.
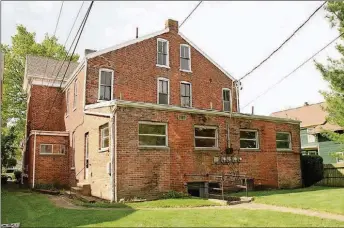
{"points": [[249, 139], [205, 137], [151, 134]]}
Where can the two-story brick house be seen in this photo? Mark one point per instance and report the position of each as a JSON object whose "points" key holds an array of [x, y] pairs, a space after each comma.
{"points": [[151, 115]]}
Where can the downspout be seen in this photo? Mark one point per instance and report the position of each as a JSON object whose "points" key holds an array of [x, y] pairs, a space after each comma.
{"points": [[113, 154], [34, 162]]}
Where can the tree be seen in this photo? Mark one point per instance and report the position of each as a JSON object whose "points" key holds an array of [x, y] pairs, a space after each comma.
{"points": [[14, 98], [8, 149], [333, 73]]}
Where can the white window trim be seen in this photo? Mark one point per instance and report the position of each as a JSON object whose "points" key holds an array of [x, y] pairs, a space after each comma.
{"points": [[202, 137], [112, 79], [256, 139], [185, 82], [230, 99], [289, 140], [180, 56], [75, 94], [102, 128], [153, 123], [52, 149], [168, 90], [67, 102], [337, 159], [168, 53]]}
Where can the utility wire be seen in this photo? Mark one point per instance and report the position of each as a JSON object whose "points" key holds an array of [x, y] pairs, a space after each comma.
{"points": [[58, 19], [297, 68], [261, 63], [190, 14], [81, 28]]}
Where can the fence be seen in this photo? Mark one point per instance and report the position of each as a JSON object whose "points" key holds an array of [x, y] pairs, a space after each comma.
{"points": [[333, 175]]}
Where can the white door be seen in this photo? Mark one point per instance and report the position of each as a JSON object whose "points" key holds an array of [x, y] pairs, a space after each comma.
{"points": [[86, 157]]}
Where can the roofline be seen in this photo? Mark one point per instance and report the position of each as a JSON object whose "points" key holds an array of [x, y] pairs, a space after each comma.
{"points": [[298, 107], [187, 110], [75, 73], [125, 44], [207, 57]]}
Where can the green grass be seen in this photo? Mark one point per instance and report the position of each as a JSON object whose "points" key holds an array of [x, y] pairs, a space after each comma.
{"points": [[318, 198], [35, 210]]}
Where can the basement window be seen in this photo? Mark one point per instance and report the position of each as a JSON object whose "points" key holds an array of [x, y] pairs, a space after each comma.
{"points": [[104, 136], [249, 139], [206, 137], [153, 134], [283, 141]]}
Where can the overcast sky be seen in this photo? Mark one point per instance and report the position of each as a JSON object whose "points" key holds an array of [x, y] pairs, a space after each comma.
{"points": [[237, 35]]}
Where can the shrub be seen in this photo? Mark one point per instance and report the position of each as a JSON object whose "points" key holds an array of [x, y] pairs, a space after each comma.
{"points": [[4, 179], [175, 195], [312, 169], [17, 174]]}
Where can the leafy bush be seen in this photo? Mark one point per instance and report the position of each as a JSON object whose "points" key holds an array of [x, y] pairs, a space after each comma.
{"points": [[175, 195], [17, 174], [312, 169], [4, 179]]}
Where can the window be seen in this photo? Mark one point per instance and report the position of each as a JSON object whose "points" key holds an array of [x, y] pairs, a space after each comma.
{"points": [[206, 137], [309, 152], [104, 136], [283, 140], [249, 139], [185, 94], [153, 134], [75, 94], [310, 136], [185, 57], [67, 102], [52, 149], [162, 52], [163, 91], [105, 84], [226, 99]]}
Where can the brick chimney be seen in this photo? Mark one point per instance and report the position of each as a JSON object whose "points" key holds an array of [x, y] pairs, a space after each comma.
{"points": [[172, 25]]}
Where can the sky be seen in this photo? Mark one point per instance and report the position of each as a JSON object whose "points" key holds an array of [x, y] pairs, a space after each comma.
{"points": [[237, 35]]}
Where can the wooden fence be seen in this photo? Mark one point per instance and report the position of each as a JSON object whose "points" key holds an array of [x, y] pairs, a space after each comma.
{"points": [[333, 175]]}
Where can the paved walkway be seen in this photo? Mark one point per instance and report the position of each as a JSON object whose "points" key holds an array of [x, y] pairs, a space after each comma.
{"points": [[62, 201]]}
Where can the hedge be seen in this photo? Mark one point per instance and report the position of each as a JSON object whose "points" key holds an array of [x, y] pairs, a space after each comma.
{"points": [[312, 169]]}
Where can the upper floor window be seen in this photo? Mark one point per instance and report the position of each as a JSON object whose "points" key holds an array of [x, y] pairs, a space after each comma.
{"points": [[185, 94], [67, 102], [185, 57], [283, 141], [226, 99], [75, 94], [104, 136], [105, 90], [206, 137], [162, 52], [163, 91], [249, 139]]}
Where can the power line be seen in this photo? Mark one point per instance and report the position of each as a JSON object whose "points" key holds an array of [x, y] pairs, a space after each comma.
{"points": [[58, 18], [286, 76], [81, 29], [261, 63], [190, 14]]}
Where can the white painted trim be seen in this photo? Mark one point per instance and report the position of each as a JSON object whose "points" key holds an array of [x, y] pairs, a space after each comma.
{"points": [[206, 56], [56, 133], [34, 162], [45, 83], [75, 73], [256, 139], [230, 99], [114, 180], [168, 90], [180, 56], [202, 137], [125, 44], [153, 123], [185, 82], [97, 114], [168, 52], [112, 81], [85, 79]]}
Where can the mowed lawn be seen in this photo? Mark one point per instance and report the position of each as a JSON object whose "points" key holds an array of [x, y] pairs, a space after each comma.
{"points": [[327, 199], [36, 210]]}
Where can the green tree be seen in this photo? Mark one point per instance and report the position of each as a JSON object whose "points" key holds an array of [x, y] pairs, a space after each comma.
{"points": [[333, 72], [14, 98], [8, 148]]}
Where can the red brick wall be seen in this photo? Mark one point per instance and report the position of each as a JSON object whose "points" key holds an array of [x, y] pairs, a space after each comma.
{"points": [[49, 168], [146, 172], [136, 73]]}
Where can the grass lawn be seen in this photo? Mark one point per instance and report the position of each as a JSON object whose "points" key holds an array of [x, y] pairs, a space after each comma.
{"points": [[318, 198], [35, 210]]}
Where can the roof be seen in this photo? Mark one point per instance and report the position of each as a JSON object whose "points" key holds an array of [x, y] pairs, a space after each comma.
{"points": [[43, 67], [312, 115]]}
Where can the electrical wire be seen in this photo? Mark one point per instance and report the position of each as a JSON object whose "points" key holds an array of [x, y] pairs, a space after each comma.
{"points": [[293, 71], [276, 50], [190, 14]]}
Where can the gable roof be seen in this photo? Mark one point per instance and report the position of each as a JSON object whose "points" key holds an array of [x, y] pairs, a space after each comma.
{"points": [[312, 115], [134, 41]]}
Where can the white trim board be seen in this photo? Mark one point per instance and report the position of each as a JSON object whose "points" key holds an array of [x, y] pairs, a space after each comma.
{"points": [[125, 44]]}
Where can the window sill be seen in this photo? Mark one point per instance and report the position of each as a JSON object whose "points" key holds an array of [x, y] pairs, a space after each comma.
{"points": [[102, 100], [72, 168], [249, 150], [154, 148], [207, 149], [186, 71], [47, 154], [106, 149], [284, 150], [162, 66]]}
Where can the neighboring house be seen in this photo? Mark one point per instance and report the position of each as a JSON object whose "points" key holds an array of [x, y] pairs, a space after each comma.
{"points": [[147, 116], [313, 122]]}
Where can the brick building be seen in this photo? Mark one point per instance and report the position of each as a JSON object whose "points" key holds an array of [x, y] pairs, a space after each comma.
{"points": [[147, 116]]}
